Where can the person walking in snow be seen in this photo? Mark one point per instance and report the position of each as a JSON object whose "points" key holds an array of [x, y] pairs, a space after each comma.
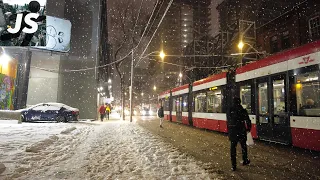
{"points": [[102, 111], [161, 115], [239, 125], [108, 111]]}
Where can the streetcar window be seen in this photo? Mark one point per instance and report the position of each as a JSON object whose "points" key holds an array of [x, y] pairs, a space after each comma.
{"points": [[174, 104], [185, 103], [279, 100], [178, 104], [308, 94], [214, 101], [263, 98], [166, 105], [200, 102], [245, 95]]}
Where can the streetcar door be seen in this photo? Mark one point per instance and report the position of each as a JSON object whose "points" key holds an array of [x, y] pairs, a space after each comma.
{"points": [[264, 124], [280, 117], [273, 119], [179, 109]]}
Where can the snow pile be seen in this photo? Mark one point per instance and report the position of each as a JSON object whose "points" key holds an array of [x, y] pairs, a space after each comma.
{"points": [[26, 146], [67, 131], [2, 168], [42, 144]]}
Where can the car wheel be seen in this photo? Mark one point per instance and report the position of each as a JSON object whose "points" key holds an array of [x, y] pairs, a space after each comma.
{"points": [[60, 119], [23, 119]]}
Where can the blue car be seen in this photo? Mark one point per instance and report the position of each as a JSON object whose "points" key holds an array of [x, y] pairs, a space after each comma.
{"points": [[57, 112]]}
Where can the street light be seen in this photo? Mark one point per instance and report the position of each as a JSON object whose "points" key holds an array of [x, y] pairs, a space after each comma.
{"points": [[109, 81], [240, 45], [142, 94], [162, 55], [154, 88], [180, 75]]}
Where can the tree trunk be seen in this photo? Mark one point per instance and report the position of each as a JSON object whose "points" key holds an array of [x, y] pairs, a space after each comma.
{"points": [[122, 98]]}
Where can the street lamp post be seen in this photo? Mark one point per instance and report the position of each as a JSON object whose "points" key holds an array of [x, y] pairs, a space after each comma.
{"points": [[162, 56], [131, 85]]}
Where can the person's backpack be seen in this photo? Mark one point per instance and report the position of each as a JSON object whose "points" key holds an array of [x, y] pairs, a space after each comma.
{"points": [[160, 112]]}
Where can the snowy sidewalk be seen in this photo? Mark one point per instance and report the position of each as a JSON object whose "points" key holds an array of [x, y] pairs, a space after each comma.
{"points": [[112, 150]]}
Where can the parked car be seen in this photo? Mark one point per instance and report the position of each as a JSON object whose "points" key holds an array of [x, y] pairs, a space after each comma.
{"points": [[50, 112]]}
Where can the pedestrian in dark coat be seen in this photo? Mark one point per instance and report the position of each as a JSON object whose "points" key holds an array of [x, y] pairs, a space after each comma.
{"points": [[161, 115], [239, 125]]}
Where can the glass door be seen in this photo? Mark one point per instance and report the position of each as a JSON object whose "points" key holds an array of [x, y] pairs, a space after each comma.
{"points": [[179, 109], [264, 123], [273, 119], [280, 117]]}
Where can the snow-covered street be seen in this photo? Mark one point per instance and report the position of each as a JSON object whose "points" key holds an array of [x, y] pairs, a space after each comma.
{"points": [[108, 150]]}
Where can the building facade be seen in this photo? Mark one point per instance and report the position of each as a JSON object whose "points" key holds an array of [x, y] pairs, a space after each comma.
{"points": [[298, 26], [185, 22], [70, 78]]}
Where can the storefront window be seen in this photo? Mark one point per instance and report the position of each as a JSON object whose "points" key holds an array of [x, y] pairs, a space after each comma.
{"points": [[245, 95], [200, 102], [185, 103], [308, 94], [214, 101]]}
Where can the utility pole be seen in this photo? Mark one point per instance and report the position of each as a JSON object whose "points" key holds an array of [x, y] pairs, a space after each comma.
{"points": [[131, 85]]}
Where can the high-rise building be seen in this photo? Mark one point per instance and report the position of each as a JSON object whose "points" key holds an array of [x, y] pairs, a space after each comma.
{"points": [[186, 21]]}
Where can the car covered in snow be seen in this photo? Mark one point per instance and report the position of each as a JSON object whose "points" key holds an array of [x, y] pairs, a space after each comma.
{"points": [[50, 112]]}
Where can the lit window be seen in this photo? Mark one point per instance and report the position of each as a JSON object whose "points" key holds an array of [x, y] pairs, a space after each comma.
{"points": [[245, 95], [308, 94], [200, 102], [214, 101]]}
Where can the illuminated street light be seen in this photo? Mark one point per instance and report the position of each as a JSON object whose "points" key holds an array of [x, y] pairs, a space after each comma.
{"points": [[154, 88], [240, 45], [162, 55], [180, 75], [142, 94], [109, 81]]}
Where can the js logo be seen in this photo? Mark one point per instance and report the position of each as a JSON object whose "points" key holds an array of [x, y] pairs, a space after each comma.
{"points": [[27, 20]]}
